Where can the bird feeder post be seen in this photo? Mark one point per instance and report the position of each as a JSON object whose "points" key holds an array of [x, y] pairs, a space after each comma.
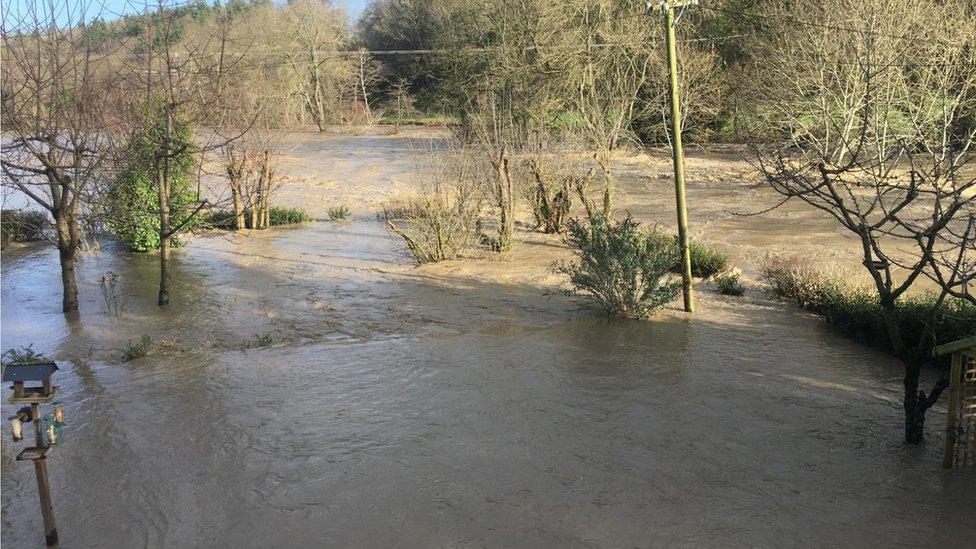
{"points": [[44, 441], [960, 442]]}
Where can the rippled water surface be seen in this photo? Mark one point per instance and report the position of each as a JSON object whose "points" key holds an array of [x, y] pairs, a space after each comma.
{"points": [[406, 407]]}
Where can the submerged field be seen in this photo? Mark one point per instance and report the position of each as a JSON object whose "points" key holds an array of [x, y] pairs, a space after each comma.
{"points": [[465, 403]]}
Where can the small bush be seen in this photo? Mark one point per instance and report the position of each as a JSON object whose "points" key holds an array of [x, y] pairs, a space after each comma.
{"points": [[857, 312], [25, 354], [705, 260], [113, 293], [22, 226], [279, 215], [138, 349], [728, 284], [620, 267], [263, 340], [551, 199], [259, 340], [338, 213], [222, 219]]}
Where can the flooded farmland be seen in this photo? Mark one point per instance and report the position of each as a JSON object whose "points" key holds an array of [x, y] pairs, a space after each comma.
{"points": [[467, 403]]}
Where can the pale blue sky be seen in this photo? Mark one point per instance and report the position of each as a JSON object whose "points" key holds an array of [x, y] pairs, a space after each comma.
{"points": [[111, 9]]}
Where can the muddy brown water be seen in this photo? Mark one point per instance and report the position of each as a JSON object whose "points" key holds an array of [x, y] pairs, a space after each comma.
{"points": [[463, 404]]}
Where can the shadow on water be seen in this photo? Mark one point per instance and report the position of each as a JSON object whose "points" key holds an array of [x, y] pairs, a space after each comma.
{"points": [[403, 408]]}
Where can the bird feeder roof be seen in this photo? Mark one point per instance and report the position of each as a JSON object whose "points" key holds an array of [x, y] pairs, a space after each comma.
{"points": [[34, 371]]}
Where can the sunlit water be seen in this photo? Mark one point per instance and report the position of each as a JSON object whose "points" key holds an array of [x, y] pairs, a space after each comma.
{"points": [[397, 408]]}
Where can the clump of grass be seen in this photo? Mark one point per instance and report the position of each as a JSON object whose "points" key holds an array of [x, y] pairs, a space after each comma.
{"points": [[728, 284], [856, 311], [22, 226], [338, 213], [622, 268], [280, 215], [138, 349], [25, 354]]}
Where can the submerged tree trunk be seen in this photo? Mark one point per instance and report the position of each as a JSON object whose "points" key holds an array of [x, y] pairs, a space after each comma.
{"points": [[235, 191], [67, 248], [164, 238], [505, 201]]}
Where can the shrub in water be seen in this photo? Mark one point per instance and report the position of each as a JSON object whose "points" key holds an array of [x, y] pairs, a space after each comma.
{"points": [[280, 215], [438, 224], [277, 215], [705, 260], [338, 213], [22, 226], [23, 355], [620, 267], [138, 349], [857, 312], [133, 200], [728, 284]]}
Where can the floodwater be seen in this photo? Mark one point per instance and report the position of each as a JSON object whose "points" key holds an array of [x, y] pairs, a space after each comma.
{"points": [[463, 404]]}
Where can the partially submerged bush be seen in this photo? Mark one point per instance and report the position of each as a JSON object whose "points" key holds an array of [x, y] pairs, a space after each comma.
{"points": [[277, 215], [280, 215], [620, 267], [857, 313], [22, 226], [705, 260], [728, 284], [25, 354], [138, 349], [550, 198], [436, 225], [338, 213], [440, 222]]}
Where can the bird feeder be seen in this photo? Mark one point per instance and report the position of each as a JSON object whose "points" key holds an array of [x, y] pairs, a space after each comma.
{"points": [[25, 378], [31, 383]]}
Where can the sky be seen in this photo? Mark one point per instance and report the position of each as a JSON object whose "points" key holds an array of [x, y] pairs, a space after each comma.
{"points": [[112, 9]]}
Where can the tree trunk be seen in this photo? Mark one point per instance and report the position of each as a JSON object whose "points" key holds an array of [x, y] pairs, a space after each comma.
{"points": [[67, 247], [505, 202], [265, 185], [164, 246], [235, 191], [162, 188], [914, 415]]}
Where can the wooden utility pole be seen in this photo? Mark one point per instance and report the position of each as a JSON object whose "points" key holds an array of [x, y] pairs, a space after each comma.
{"points": [[668, 8]]}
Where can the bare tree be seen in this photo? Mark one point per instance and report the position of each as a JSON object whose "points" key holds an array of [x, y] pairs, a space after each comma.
{"points": [[879, 135], [367, 75], [56, 130], [310, 34]]}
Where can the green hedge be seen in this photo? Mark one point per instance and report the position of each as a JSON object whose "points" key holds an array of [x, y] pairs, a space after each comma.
{"points": [[857, 312], [22, 225]]}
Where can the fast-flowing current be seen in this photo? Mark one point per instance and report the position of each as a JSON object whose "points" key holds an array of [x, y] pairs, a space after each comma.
{"points": [[452, 405]]}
